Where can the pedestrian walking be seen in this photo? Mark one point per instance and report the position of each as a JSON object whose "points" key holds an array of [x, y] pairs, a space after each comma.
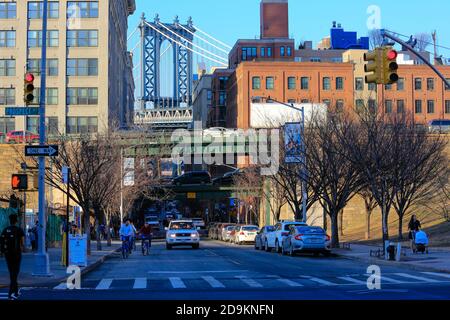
{"points": [[413, 227], [12, 245], [34, 236]]}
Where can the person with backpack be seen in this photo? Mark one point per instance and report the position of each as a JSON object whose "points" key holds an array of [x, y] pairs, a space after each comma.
{"points": [[12, 245]]}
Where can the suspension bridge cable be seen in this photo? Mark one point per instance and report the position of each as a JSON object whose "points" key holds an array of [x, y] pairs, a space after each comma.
{"points": [[197, 36], [191, 43], [184, 46], [135, 47], [211, 37], [132, 34]]}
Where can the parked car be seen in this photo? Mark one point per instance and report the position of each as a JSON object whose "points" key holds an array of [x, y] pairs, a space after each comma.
{"points": [[226, 233], [199, 223], [275, 238], [21, 137], [212, 230], [182, 233], [194, 177], [245, 234], [439, 126], [220, 229], [260, 239], [306, 239]]}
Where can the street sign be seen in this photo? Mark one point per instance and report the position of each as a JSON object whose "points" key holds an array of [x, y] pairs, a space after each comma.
{"points": [[41, 151], [22, 111], [65, 174]]}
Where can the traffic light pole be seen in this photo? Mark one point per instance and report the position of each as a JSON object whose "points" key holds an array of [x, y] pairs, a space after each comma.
{"points": [[42, 265], [385, 34]]}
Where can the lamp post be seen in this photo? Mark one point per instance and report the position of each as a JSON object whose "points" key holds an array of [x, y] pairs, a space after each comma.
{"points": [[303, 172]]}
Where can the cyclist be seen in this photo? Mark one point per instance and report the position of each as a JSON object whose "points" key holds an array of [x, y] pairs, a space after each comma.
{"points": [[126, 233], [146, 235]]}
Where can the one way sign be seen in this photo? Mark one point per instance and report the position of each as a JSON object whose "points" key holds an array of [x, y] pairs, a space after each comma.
{"points": [[41, 151]]}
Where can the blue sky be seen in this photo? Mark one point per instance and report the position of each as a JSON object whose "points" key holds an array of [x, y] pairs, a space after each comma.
{"points": [[229, 20]]}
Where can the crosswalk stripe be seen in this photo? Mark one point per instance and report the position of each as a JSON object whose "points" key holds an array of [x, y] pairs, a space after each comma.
{"points": [[61, 286], [352, 280], [177, 283], [444, 275], [384, 278], [321, 281], [213, 282], [250, 282], [290, 283], [140, 283], [104, 284], [415, 277]]}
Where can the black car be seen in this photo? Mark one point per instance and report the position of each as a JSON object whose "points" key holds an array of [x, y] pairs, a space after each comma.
{"points": [[194, 177], [228, 178]]}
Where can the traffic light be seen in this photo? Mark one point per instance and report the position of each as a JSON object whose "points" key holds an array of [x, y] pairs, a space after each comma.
{"points": [[374, 66], [28, 96], [390, 65], [19, 182]]}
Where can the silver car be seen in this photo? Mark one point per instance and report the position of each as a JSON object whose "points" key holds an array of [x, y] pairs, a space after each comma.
{"points": [[307, 240], [227, 232], [260, 239]]}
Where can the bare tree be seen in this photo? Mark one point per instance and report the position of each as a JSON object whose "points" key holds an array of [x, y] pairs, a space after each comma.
{"points": [[375, 38], [370, 205], [248, 185], [424, 40]]}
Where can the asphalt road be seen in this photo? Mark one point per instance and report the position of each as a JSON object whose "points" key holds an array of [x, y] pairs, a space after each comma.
{"points": [[219, 271]]}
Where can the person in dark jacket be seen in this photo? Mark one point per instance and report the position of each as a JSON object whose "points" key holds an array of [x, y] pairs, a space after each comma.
{"points": [[12, 245], [413, 227]]}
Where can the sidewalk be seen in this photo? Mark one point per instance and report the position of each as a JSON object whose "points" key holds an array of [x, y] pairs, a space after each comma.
{"points": [[58, 271], [437, 260]]}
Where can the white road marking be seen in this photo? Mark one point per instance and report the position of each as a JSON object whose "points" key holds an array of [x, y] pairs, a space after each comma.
{"points": [[213, 282], [250, 282], [321, 281], [387, 279], [405, 275], [192, 272], [140, 283], [104, 284], [444, 275], [61, 286], [290, 283], [177, 283], [352, 280]]}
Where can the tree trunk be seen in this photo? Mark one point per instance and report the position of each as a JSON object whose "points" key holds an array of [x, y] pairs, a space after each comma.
{"points": [[400, 228], [325, 224], [385, 216], [368, 215], [341, 222], [87, 229], [334, 230], [97, 228]]}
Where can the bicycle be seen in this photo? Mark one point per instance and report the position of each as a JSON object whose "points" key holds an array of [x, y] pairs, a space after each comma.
{"points": [[146, 244], [126, 247]]}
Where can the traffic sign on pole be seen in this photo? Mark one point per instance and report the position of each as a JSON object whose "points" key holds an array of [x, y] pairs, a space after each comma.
{"points": [[22, 111], [41, 151]]}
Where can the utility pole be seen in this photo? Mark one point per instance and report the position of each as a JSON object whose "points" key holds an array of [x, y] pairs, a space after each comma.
{"points": [[42, 265]]}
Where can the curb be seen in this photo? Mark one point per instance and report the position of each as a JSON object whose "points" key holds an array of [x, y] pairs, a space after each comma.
{"points": [[393, 264]]}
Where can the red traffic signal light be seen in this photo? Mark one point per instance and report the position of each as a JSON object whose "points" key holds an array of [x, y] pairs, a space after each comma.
{"points": [[28, 89], [19, 182], [29, 77], [392, 55]]}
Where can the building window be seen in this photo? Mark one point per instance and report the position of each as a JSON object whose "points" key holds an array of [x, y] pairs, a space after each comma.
{"points": [[400, 106], [51, 96], [7, 124], [223, 83], [326, 83], [249, 53], [35, 38], [82, 9], [418, 106], [388, 87], [7, 39], [401, 84], [372, 87], [82, 67], [418, 84], [33, 124], [7, 68], [359, 84], [289, 51], [82, 125], [447, 106], [292, 101], [430, 106], [292, 83], [327, 102], [372, 105], [339, 83], [340, 105], [304, 101], [256, 83], [269, 52], [270, 83], [263, 52], [222, 98], [35, 10], [52, 126], [82, 96], [82, 38], [7, 97], [34, 66], [315, 59], [446, 87], [8, 10], [388, 106], [430, 84], [359, 104], [305, 83], [282, 51]]}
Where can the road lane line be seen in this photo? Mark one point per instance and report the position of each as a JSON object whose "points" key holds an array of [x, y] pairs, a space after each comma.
{"points": [[104, 284], [140, 283], [444, 275], [213, 282], [61, 286], [250, 282], [290, 283], [352, 280], [177, 283], [193, 272], [321, 281], [384, 278], [405, 275]]}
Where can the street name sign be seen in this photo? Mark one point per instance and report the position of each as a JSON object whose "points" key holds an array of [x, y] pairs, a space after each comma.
{"points": [[22, 111], [41, 151]]}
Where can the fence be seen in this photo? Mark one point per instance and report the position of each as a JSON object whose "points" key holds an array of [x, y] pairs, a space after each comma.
{"points": [[4, 217]]}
